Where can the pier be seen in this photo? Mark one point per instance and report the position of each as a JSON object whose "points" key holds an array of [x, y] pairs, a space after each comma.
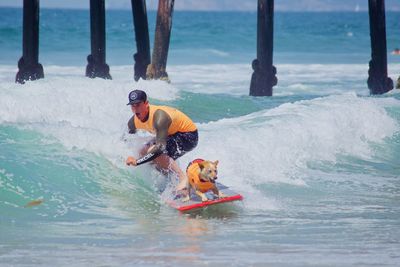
{"points": [[153, 65]]}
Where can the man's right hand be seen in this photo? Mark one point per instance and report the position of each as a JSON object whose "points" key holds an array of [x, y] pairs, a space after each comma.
{"points": [[131, 161]]}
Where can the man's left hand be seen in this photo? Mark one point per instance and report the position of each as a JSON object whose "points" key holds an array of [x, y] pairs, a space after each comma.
{"points": [[131, 161]]}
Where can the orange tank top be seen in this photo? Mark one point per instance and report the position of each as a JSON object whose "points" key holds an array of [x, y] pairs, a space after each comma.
{"points": [[193, 172], [179, 121]]}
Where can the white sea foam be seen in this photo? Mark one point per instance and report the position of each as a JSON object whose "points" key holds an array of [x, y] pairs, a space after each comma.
{"points": [[218, 52], [272, 145]]}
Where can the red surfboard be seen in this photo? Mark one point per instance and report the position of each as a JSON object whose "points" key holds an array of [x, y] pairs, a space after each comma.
{"points": [[196, 203]]}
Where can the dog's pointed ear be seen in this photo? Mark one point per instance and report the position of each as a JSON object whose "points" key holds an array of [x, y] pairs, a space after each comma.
{"points": [[201, 165], [216, 162]]}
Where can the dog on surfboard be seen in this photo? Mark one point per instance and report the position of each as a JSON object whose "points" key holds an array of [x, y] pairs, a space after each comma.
{"points": [[201, 178]]}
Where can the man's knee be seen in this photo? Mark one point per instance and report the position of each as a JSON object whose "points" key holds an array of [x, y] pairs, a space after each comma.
{"points": [[163, 161]]}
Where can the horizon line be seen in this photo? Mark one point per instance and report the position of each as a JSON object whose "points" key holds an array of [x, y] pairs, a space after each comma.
{"points": [[215, 10]]}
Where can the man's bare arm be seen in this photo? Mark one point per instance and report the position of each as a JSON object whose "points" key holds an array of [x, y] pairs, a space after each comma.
{"points": [[161, 123], [131, 125]]}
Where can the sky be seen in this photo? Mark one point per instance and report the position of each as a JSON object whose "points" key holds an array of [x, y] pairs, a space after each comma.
{"points": [[220, 5]]}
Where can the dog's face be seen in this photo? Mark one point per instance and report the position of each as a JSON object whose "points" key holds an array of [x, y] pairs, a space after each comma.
{"points": [[208, 171]]}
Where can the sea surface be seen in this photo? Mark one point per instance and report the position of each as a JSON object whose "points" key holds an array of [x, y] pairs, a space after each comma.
{"points": [[318, 163]]}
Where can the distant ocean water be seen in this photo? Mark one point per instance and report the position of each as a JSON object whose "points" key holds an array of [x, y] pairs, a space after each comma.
{"points": [[317, 163]]}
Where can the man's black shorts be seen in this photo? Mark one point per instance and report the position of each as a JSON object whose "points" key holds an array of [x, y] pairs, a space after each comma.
{"points": [[180, 143]]}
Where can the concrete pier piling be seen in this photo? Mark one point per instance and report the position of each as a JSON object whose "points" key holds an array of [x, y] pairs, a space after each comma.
{"points": [[28, 65], [264, 75], [97, 66], [378, 81], [157, 68], [142, 56]]}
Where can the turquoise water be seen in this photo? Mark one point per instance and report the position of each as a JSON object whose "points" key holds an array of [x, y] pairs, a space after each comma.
{"points": [[202, 37], [317, 163]]}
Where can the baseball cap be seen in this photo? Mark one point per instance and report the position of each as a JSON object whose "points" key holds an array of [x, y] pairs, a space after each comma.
{"points": [[137, 96]]}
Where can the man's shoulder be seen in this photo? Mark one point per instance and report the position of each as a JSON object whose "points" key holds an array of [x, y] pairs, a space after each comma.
{"points": [[161, 119], [160, 113]]}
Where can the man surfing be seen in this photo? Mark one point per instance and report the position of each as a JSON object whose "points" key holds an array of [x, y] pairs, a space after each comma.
{"points": [[175, 134]]}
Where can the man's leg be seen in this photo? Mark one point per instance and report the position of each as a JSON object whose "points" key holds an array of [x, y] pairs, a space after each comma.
{"points": [[166, 163]]}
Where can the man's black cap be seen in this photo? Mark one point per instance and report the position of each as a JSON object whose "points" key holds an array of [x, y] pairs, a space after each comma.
{"points": [[137, 96]]}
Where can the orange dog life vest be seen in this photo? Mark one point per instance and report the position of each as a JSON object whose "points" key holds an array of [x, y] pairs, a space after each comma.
{"points": [[193, 173]]}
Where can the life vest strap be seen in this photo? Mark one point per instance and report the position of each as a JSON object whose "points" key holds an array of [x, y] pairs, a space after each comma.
{"points": [[198, 160]]}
